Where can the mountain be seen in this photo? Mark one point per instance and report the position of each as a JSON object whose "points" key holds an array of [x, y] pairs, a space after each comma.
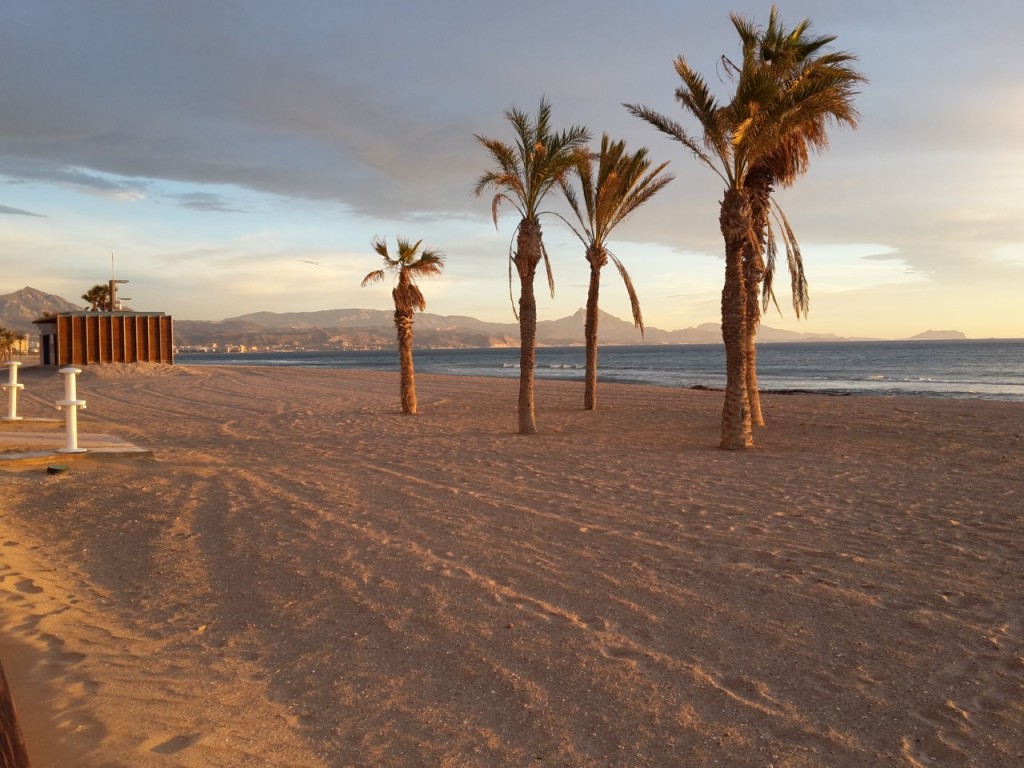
{"points": [[938, 336], [341, 328], [373, 329], [19, 309]]}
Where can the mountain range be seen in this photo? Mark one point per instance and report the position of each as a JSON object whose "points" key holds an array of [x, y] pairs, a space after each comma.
{"points": [[372, 328], [19, 309]]}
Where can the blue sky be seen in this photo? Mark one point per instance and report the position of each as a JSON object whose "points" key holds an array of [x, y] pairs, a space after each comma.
{"points": [[240, 156]]}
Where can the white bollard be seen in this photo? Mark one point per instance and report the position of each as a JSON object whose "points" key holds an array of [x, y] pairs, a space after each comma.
{"points": [[70, 404], [12, 386]]}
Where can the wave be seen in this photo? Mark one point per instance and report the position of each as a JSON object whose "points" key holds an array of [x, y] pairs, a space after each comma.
{"points": [[978, 370]]}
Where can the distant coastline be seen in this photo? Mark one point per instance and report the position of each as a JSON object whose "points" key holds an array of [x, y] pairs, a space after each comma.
{"points": [[368, 330], [372, 329]]}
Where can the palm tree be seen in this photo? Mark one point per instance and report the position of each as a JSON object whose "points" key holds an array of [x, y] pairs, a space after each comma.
{"points": [[98, 298], [409, 264], [523, 175], [623, 183], [8, 341], [791, 59], [741, 138]]}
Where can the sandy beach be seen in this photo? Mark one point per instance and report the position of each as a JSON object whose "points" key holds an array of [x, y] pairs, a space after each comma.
{"points": [[303, 576]]}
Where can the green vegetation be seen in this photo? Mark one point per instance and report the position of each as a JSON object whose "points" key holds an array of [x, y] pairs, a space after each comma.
{"points": [[407, 265], [623, 182], [785, 96], [9, 343], [98, 298], [523, 174]]}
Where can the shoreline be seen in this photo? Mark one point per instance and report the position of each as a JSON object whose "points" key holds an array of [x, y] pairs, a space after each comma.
{"points": [[303, 576], [976, 370]]}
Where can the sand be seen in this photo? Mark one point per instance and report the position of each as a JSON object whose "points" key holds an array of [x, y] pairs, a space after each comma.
{"points": [[303, 576]]}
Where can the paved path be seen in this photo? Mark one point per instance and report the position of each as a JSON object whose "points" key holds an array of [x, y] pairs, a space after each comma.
{"points": [[33, 446]]}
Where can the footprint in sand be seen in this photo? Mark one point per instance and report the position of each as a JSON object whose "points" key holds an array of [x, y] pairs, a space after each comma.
{"points": [[623, 654], [173, 745], [27, 587]]}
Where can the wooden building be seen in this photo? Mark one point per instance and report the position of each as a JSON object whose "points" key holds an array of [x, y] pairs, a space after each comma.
{"points": [[84, 338]]}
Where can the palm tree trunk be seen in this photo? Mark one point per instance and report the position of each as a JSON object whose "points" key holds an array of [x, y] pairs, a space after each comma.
{"points": [[750, 353], [734, 221], [403, 323], [597, 260], [528, 254], [753, 275], [759, 185]]}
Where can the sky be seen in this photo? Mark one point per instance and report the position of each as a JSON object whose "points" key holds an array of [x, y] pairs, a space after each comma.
{"points": [[234, 157]]}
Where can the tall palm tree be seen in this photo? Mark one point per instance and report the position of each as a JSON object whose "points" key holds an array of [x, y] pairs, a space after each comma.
{"points": [[725, 152], [741, 138], [98, 298], [522, 176], [624, 181], [791, 58], [407, 266]]}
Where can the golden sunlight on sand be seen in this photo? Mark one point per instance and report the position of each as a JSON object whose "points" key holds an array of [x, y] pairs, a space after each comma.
{"points": [[305, 577]]}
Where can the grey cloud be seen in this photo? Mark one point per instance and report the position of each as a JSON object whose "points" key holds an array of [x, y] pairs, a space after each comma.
{"points": [[375, 105], [16, 211], [305, 104], [205, 201], [39, 169]]}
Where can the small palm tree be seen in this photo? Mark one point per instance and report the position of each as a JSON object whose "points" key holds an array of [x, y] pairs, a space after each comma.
{"points": [[8, 341], [624, 181], [98, 298], [523, 175], [409, 264]]}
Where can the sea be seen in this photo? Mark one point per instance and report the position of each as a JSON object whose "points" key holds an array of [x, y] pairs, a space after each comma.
{"points": [[991, 369]]}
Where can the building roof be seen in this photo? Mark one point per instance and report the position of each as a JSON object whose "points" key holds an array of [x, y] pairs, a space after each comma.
{"points": [[90, 313]]}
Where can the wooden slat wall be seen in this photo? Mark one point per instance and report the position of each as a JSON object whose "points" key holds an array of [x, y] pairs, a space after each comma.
{"points": [[65, 340], [86, 339], [167, 340], [13, 753]]}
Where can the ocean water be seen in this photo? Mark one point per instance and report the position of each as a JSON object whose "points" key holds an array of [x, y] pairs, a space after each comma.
{"points": [[988, 369]]}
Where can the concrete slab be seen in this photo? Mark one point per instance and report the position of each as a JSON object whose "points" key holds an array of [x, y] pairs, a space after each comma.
{"points": [[33, 447]]}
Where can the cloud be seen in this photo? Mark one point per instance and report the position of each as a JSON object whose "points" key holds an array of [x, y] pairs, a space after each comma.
{"points": [[354, 116], [205, 201], [42, 170], [17, 212]]}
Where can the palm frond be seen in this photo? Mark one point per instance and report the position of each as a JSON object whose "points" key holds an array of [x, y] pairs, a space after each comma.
{"points": [[409, 264], [429, 263], [768, 281], [676, 131], [625, 182], [374, 277], [380, 245], [795, 262], [634, 301], [511, 261], [496, 202], [538, 161], [581, 234], [547, 269]]}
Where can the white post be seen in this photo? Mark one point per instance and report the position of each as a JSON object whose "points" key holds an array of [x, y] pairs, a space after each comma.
{"points": [[12, 387], [71, 404]]}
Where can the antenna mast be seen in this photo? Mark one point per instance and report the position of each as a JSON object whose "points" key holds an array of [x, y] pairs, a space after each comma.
{"points": [[112, 286]]}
